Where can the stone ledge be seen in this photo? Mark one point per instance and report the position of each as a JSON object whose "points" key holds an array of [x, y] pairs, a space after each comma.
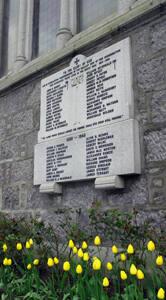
{"points": [[110, 24]]}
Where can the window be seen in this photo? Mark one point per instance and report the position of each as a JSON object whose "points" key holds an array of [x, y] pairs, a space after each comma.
{"points": [[92, 11], [9, 39], [49, 17], [47, 20], [41, 24]]}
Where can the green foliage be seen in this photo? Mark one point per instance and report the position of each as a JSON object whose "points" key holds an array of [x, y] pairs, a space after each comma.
{"points": [[116, 226], [44, 282]]}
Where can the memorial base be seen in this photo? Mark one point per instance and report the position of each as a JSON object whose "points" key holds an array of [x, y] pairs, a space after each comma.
{"points": [[109, 182]]}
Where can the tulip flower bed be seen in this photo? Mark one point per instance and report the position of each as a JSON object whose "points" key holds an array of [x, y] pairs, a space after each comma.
{"points": [[81, 273]]}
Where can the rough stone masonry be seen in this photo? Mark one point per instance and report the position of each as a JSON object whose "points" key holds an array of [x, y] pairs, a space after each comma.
{"points": [[19, 125]]}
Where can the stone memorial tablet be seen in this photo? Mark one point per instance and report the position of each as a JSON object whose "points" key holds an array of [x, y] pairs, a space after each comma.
{"points": [[109, 150], [91, 92], [87, 128]]}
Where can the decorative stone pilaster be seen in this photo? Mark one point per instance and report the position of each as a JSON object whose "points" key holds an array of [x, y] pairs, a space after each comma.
{"points": [[29, 30], [24, 39], [1, 26], [73, 16], [21, 38], [64, 33]]}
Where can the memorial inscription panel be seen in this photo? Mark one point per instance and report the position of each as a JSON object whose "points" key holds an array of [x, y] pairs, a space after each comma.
{"points": [[91, 92], [86, 124], [109, 150]]}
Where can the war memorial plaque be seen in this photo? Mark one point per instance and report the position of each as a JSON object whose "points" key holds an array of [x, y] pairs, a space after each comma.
{"points": [[86, 123]]}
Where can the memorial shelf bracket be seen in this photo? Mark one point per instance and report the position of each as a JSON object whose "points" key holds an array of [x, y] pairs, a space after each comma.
{"points": [[51, 188], [87, 125], [110, 182]]}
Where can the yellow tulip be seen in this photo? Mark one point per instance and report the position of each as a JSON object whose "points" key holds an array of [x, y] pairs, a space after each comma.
{"points": [[84, 245], [96, 264], [159, 260], [161, 294], [71, 244], [133, 269], [109, 266], [114, 249], [27, 245], [29, 267], [130, 249], [50, 262], [140, 274], [75, 250], [123, 257], [56, 261], [4, 247], [80, 253], [9, 261], [66, 266], [5, 261], [30, 242], [79, 269], [97, 241], [123, 275], [86, 256], [94, 257], [19, 246], [105, 282], [36, 262], [151, 246]]}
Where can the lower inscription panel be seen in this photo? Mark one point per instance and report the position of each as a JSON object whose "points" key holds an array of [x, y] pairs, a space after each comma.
{"points": [[104, 151]]}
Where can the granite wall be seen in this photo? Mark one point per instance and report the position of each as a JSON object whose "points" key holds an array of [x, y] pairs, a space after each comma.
{"points": [[19, 125]]}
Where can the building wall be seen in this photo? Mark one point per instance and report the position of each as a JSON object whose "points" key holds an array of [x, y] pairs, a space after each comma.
{"points": [[20, 120]]}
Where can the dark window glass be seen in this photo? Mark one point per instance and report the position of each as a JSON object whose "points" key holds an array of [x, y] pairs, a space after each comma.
{"points": [[10, 28], [92, 11], [49, 17], [35, 33]]}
